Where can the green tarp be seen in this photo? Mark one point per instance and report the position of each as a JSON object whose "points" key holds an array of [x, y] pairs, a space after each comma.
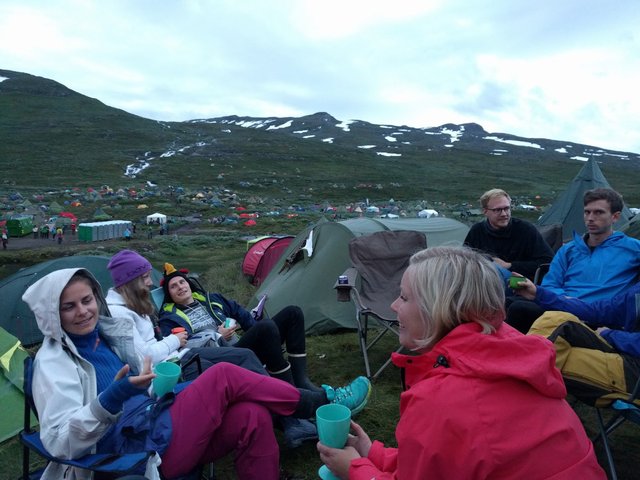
{"points": [[12, 357]]}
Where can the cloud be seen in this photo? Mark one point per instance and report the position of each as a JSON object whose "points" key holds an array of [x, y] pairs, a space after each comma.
{"points": [[563, 70]]}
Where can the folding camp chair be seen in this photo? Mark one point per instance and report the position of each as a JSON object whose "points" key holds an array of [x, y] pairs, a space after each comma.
{"points": [[552, 234], [107, 465], [623, 410], [373, 283], [110, 465]]}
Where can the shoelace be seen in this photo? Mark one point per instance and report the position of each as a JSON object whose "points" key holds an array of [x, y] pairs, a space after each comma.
{"points": [[342, 393]]}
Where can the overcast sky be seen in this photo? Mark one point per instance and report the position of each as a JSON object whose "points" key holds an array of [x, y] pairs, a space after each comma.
{"points": [[559, 69]]}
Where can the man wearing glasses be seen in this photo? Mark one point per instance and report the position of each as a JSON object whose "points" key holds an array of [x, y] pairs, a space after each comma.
{"points": [[514, 245]]}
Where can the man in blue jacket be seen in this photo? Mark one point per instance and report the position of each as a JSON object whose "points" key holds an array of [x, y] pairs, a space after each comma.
{"points": [[600, 348], [598, 265]]}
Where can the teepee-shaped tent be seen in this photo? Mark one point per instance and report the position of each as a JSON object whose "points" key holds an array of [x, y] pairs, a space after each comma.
{"points": [[55, 207], [568, 208], [100, 214]]}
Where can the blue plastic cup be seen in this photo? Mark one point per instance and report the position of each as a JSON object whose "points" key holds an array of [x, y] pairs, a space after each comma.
{"points": [[333, 421], [167, 375], [325, 474]]}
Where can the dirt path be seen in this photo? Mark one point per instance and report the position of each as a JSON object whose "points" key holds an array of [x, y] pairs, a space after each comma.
{"points": [[21, 243], [69, 240]]}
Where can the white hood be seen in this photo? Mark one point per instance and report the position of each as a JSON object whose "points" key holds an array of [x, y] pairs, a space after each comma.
{"points": [[43, 297]]}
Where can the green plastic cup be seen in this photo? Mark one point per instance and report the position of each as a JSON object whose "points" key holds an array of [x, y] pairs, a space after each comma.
{"points": [[516, 282], [167, 375], [333, 421]]}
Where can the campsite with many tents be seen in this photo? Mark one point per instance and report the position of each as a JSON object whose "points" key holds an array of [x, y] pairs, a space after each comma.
{"points": [[261, 207], [299, 265]]}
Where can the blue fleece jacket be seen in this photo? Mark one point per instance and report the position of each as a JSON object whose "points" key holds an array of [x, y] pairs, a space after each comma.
{"points": [[594, 274]]}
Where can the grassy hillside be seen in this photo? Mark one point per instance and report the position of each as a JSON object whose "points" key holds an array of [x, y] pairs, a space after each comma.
{"points": [[54, 138]]}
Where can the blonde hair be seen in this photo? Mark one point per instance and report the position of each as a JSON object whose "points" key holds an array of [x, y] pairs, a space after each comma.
{"points": [[136, 296], [489, 195], [454, 285]]}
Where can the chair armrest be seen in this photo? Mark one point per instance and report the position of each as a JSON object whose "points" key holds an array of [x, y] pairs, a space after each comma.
{"points": [[351, 274], [541, 271], [343, 288]]}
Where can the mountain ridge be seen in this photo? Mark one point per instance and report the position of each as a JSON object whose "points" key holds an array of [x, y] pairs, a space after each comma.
{"points": [[55, 136]]}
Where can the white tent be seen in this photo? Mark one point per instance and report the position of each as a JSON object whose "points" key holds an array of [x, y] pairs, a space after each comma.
{"points": [[427, 213], [157, 218]]}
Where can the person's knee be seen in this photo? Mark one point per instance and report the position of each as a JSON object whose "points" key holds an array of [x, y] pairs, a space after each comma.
{"points": [[254, 421], [221, 369], [247, 359], [267, 329], [294, 312]]}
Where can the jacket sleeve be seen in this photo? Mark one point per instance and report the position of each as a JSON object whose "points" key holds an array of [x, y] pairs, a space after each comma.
{"points": [[619, 312], [144, 340], [624, 342], [428, 443], [380, 464], [233, 309], [69, 428], [146, 344]]}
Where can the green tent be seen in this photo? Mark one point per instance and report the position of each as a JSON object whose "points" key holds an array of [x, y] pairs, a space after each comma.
{"points": [[55, 208], [17, 318], [308, 269], [100, 214], [568, 209], [12, 357]]}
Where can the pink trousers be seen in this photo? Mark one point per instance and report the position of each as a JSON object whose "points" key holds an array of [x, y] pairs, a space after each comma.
{"points": [[228, 409]]}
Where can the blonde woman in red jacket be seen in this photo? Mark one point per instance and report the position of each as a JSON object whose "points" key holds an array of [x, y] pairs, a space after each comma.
{"points": [[481, 400]]}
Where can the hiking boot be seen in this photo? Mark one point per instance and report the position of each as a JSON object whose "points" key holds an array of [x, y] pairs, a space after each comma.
{"points": [[353, 396], [298, 430]]}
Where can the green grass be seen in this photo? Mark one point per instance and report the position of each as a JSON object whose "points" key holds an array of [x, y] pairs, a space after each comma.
{"points": [[336, 359], [216, 254]]}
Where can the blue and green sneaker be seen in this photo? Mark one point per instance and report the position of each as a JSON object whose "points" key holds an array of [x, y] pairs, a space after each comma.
{"points": [[353, 396]]}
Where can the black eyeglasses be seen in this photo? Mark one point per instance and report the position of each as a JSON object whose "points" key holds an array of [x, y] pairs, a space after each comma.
{"points": [[499, 210]]}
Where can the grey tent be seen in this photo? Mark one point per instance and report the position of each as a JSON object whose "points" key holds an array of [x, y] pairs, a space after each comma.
{"points": [[568, 208], [17, 318], [308, 269]]}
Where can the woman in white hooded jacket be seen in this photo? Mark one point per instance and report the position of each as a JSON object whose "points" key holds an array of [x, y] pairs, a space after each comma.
{"points": [[88, 384]]}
